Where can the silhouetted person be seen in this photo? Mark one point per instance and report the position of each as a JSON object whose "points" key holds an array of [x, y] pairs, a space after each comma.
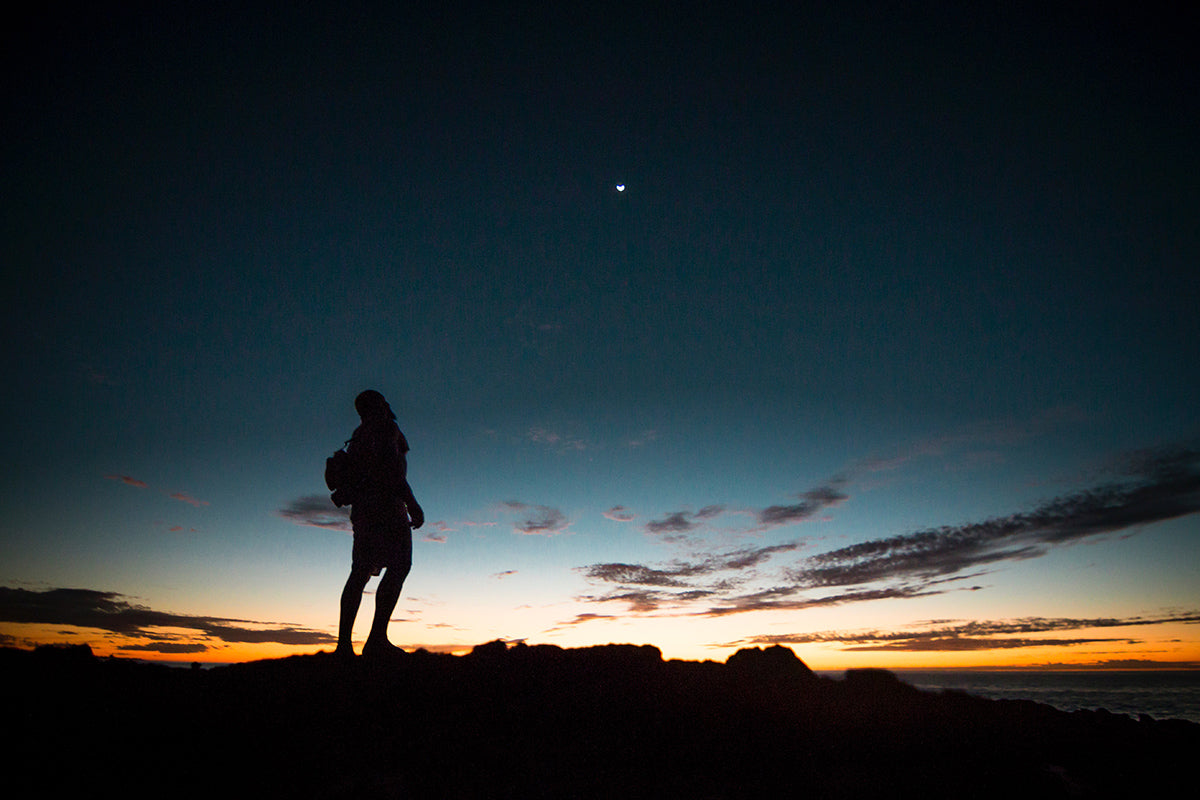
{"points": [[383, 513]]}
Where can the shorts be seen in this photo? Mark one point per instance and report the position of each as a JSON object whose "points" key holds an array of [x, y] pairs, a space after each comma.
{"points": [[382, 539]]}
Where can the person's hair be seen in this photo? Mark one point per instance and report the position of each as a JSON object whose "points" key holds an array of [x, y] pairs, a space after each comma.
{"points": [[372, 404]]}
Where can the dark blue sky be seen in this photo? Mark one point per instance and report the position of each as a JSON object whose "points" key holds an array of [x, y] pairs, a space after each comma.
{"points": [[847, 233]]}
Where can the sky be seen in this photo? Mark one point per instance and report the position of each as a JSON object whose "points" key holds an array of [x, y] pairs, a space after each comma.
{"points": [[868, 329]]}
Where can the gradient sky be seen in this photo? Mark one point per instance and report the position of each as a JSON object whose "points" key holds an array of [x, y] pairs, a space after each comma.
{"points": [[887, 351]]}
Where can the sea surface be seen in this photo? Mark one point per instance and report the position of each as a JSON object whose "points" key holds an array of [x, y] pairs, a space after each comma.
{"points": [[1163, 694]]}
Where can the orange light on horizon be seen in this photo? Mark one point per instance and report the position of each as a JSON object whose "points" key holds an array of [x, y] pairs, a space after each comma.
{"points": [[1168, 648]]}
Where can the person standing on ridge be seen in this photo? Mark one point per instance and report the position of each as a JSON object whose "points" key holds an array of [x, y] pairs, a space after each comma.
{"points": [[383, 514]]}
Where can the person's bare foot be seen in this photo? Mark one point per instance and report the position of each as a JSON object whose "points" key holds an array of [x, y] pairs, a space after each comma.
{"points": [[381, 649]]}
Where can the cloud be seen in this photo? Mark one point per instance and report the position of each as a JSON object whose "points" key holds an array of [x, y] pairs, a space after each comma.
{"points": [[554, 440], [1137, 663], [110, 611], [642, 600], [128, 481], [637, 574], [186, 498], [580, 619], [648, 588], [644, 439], [812, 502], [1163, 487], [318, 511], [963, 644], [1158, 485], [183, 497], [683, 521], [620, 514], [538, 520], [974, 635], [643, 587], [711, 577], [164, 648], [975, 443], [675, 522], [677, 572], [785, 597]]}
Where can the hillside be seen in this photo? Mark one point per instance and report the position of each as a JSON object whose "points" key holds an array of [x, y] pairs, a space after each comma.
{"points": [[610, 721]]}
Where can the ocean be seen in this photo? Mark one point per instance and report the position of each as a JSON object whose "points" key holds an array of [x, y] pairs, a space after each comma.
{"points": [[1163, 694]]}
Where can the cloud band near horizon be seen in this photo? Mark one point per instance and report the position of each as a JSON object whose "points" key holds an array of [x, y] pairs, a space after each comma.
{"points": [[973, 635], [112, 613], [1158, 485]]}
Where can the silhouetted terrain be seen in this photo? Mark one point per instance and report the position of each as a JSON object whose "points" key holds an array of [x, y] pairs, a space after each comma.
{"points": [[615, 721]]}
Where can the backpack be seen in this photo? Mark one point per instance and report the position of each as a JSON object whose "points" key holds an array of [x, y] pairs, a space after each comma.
{"points": [[341, 476]]}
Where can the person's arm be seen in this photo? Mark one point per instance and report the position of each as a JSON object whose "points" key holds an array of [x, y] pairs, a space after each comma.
{"points": [[415, 513]]}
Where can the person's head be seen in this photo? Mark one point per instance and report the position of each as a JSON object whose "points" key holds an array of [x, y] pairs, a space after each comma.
{"points": [[371, 404]]}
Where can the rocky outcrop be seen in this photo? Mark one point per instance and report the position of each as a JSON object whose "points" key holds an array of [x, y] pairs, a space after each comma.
{"points": [[542, 721]]}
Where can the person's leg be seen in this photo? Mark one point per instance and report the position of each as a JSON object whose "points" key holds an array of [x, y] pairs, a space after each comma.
{"points": [[351, 599], [387, 594]]}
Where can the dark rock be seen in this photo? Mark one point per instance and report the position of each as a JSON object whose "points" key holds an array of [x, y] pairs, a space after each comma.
{"points": [[772, 662], [69, 654], [875, 680], [491, 650], [540, 721]]}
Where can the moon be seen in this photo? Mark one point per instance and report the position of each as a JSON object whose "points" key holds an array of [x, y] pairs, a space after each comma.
{"points": [[620, 187]]}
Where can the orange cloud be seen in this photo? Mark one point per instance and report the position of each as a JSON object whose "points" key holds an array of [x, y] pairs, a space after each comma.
{"points": [[128, 481], [186, 498]]}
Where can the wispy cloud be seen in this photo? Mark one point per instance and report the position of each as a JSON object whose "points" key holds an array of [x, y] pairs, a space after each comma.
{"points": [[711, 577], [1163, 487], [112, 612], [184, 497], [1156, 485], [435, 532], [678, 522], [675, 525], [620, 514], [580, 619], [165, 648], [974, 635], [318, 511], [787, 597], [128, 481], [979, 442], [538, 520], [680, 582], [811, 503], [640, 441], [555, 440]]}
